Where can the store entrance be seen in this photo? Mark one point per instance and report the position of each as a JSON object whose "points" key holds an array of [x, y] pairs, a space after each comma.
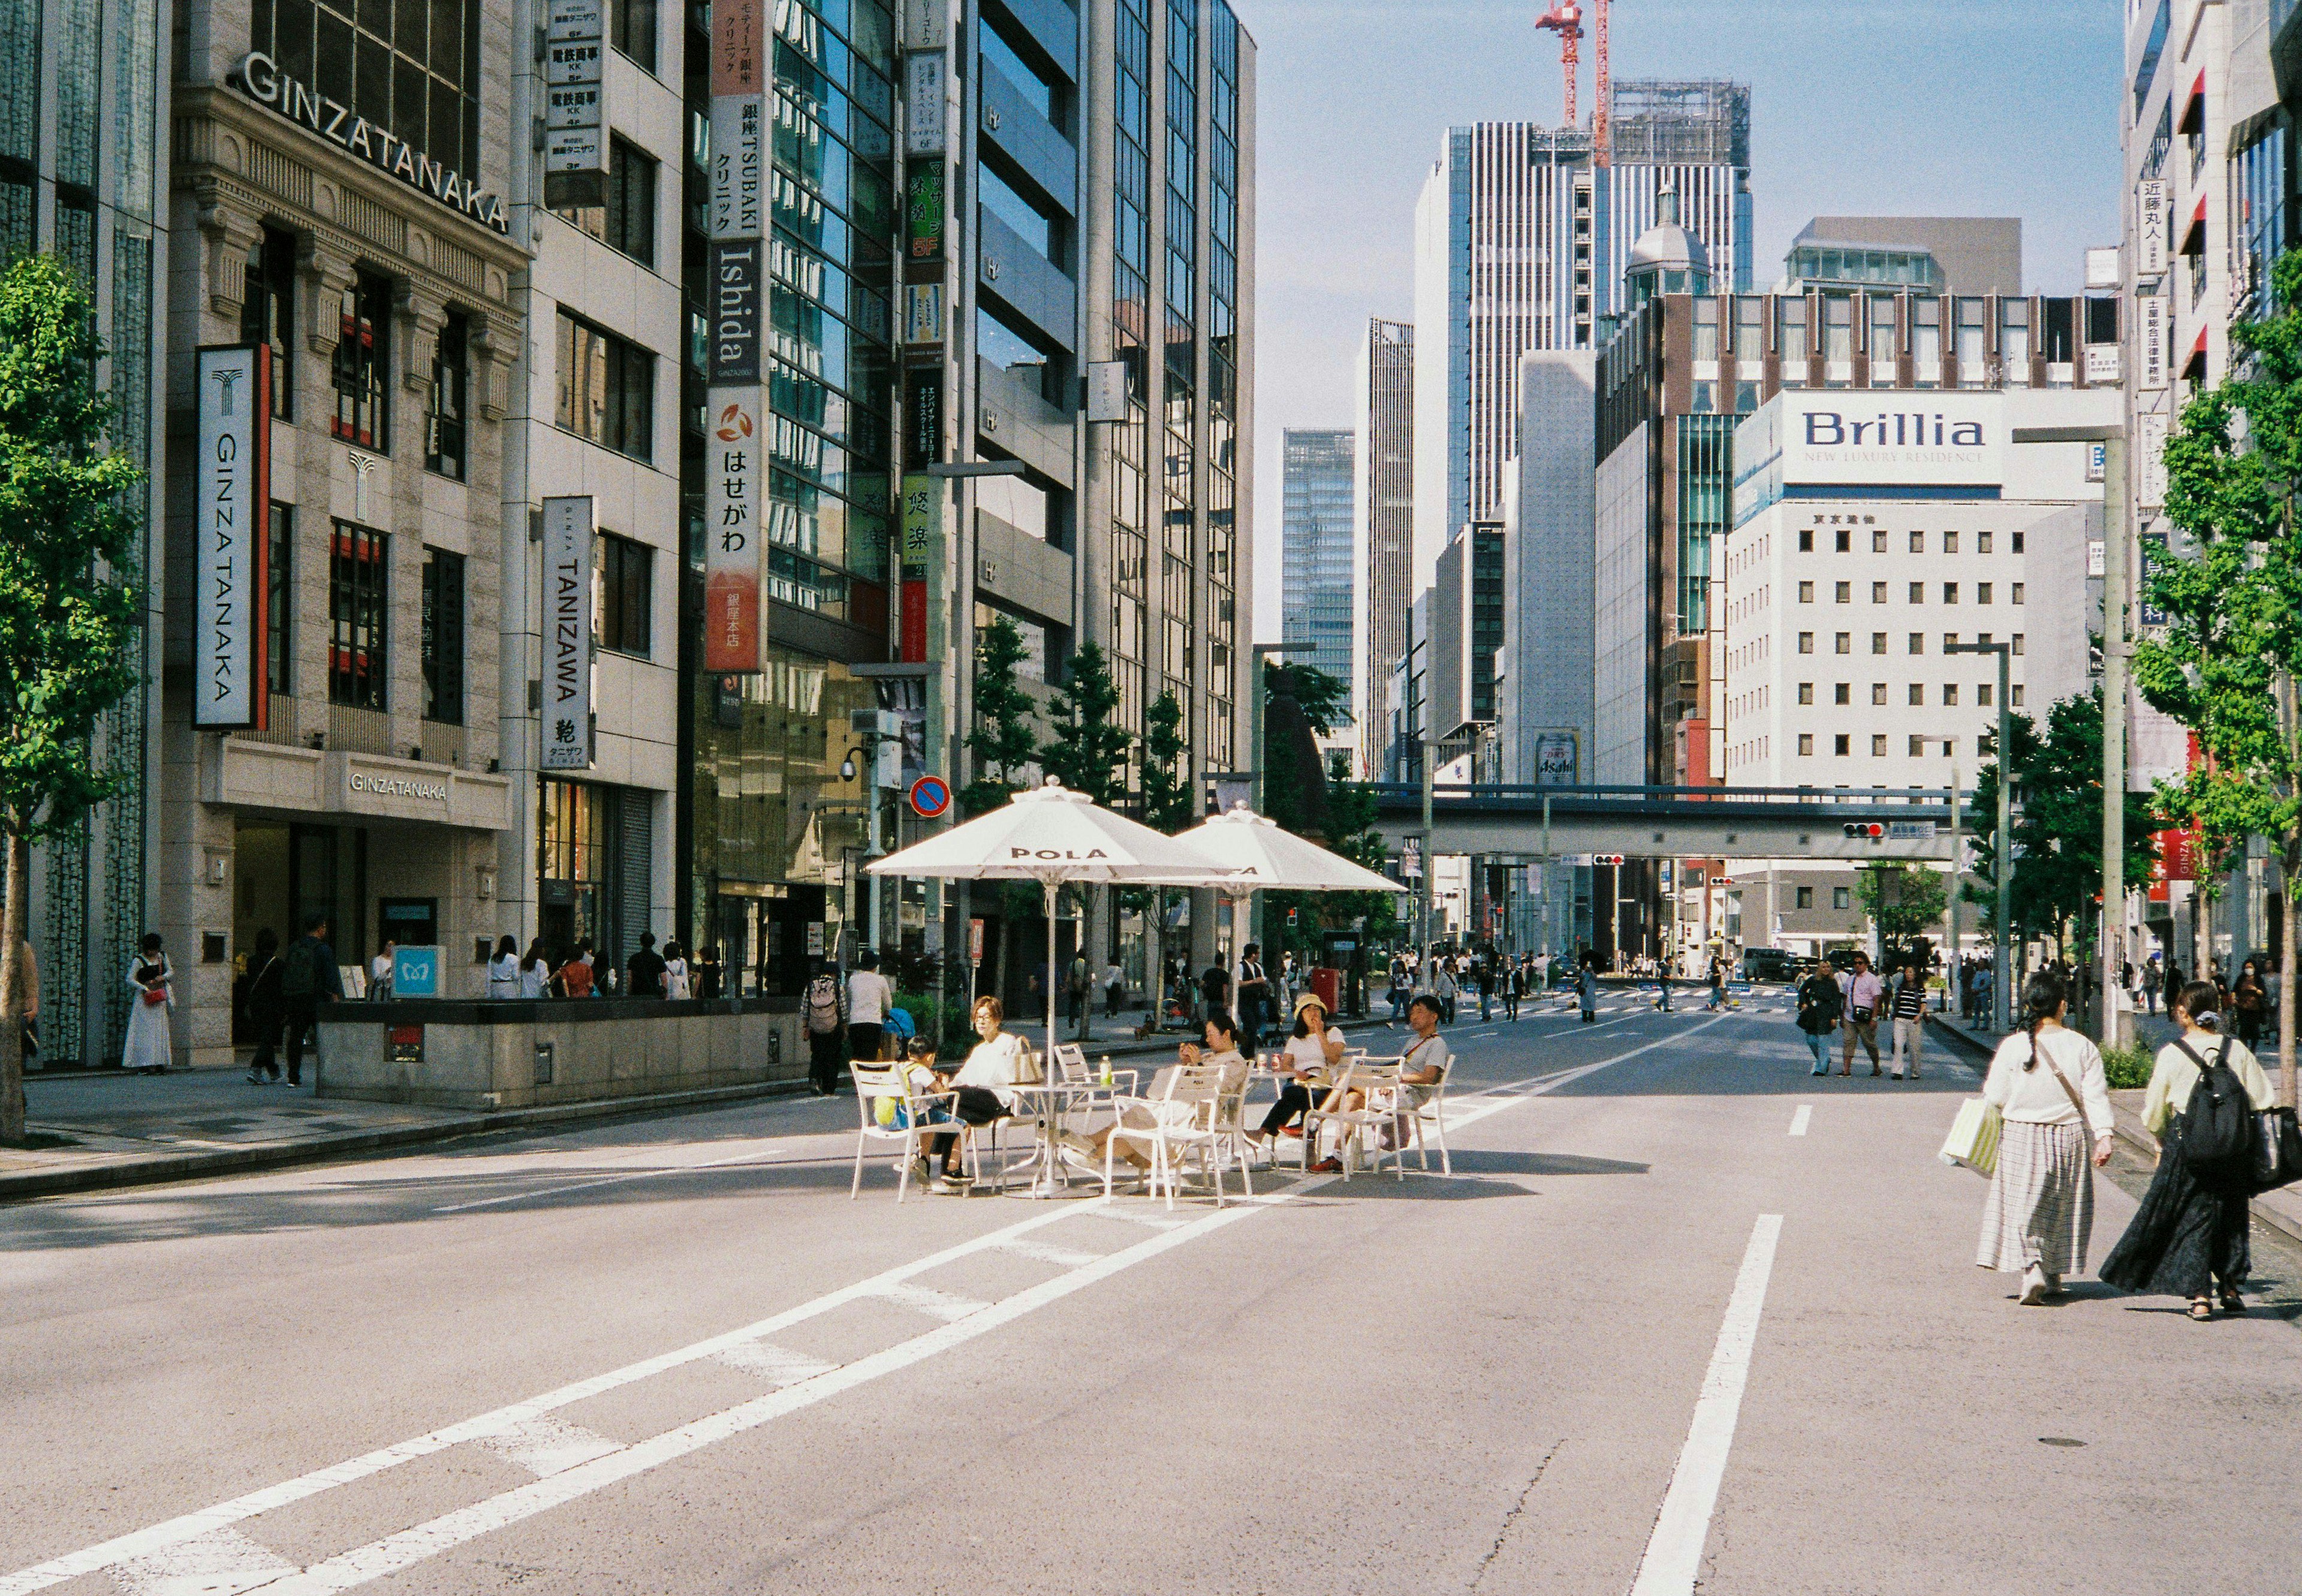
{"points": [[288, 871]]}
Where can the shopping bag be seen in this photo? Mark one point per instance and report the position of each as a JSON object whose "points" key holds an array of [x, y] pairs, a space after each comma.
{"points": [[2277, 1150], [1974, 1140]]}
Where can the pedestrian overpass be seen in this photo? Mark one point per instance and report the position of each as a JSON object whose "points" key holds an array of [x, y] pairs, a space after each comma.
{"points": [[1851, 824]]}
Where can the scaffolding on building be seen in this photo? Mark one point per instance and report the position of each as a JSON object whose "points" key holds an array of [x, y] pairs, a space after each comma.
{"points": [[1703, 122]]}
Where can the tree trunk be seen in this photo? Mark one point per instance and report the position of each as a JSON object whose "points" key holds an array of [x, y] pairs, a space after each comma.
{"points": [[2286, 978], [11, 993]]}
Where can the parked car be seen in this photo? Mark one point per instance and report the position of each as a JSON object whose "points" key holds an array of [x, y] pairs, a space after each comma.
{"points": [[1769, 964]]}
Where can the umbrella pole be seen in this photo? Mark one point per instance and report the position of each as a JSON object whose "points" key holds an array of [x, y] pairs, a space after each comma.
{"points": [[1054, 888]]}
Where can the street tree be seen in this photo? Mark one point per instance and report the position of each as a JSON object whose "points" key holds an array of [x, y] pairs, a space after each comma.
{"points": [[1164, 784], [1088, 748], [1003, 741], [1323, 699], [67, 620], [2231, 588], [1905, 902]]}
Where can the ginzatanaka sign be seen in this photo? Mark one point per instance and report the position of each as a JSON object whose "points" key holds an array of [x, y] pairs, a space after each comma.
{"points": [[258, 77]]}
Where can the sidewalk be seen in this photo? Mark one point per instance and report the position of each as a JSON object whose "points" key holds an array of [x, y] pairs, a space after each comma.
{"points": [[2281, 1210]]}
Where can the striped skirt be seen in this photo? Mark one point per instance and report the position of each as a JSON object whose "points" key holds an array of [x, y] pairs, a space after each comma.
{"points": [[2041, 1206]]}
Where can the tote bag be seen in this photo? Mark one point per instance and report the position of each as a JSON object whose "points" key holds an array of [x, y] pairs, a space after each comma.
{"points": [[1974, 1140]]}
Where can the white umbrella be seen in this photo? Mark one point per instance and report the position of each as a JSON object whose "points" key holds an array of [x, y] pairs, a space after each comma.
{"points": [[1052, 835], [1264, 855]]}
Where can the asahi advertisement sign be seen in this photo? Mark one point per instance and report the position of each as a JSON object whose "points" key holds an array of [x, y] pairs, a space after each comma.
{"points": [[738, 298], [229, 669], [567, 634], [1557, 759], [732, 551], [574, 118], [2150, 227]]}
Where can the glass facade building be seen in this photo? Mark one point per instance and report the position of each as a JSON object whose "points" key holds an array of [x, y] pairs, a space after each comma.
{"points": [[1315, 520]]}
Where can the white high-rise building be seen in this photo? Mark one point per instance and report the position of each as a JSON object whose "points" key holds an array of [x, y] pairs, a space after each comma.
{"points": [[1382, 529]]}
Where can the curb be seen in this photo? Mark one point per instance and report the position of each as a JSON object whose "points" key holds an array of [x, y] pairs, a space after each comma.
{"points": [[153, 1168], [2285, 1216]]}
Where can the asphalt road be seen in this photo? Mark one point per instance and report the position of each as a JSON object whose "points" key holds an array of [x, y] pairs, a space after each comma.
{"points": [[1682, 1314]]}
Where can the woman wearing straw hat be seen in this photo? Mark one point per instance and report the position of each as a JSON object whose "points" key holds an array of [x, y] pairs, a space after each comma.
{"points": [[1314, 1050]]}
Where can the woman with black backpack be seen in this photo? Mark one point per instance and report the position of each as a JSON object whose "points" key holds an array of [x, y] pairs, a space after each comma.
{"points": [[2048, 1083], [2190, 1233]]}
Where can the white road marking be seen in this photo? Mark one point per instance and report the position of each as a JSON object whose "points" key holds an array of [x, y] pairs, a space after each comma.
{"points": [[409, 1547], [221, 1562], [548, 1444], [946, 1305], [1047, 1253], [779, 1364], [644, 1174], [1799, 1120], [1674, 1556]]}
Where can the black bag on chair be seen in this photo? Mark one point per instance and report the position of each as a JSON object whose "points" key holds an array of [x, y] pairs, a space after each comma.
{"points": [[2277, 1149]]}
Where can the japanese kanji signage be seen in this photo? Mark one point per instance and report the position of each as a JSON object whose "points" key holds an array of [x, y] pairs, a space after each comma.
{"points": [[732, 546], [567, 633]]}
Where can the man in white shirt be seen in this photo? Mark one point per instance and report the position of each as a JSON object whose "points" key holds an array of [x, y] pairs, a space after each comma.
{"points": [[869, 999], [1863, 991]]}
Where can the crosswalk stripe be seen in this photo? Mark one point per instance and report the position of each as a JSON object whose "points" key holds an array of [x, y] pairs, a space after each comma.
{"points": [[781, 1365], [946, 1305], [546, 1444], [223, 1562]]}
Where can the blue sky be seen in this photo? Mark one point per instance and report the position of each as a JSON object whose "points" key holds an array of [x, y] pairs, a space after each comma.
{"points": [[1952, 107]]}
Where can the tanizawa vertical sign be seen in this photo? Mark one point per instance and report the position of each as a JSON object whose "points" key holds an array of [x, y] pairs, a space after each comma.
{"points": [[231, 674], [574, 109], [733, 530], [567, 634]]}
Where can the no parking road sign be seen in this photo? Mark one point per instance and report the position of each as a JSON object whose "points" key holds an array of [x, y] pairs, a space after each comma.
{"points": [[930, 797]]}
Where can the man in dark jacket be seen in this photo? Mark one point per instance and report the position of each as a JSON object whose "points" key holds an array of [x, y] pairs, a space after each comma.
{"points": [[264, 1008], [308, 978], [1819, 1005], [643, 974]]}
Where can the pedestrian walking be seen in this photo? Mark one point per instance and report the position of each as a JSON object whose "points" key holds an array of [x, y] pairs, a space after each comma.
{"points": [[643, 970], [678, 984], [2048, 1083], [869, 999], [2189, 1237], [2249, 1001], [1483, 972], [709, 974], [534, 970], [1909, 1012], [1514, 980], [379, 972], [1819, 1005], [1717, 985], [503, 968], [823, 1013], [1586, 986], [1115, 989], [1662, 988], [264, 1009], [1864, 991], [1254, 992], [1078, 991], [1401, 988], [308, 978], [1444, 988], [148, 1048], [2172, 987], [575, 977]]}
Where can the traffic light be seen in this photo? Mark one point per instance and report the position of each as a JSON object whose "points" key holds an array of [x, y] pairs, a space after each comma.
{"points": [[1606, 859], [1857, 828]]}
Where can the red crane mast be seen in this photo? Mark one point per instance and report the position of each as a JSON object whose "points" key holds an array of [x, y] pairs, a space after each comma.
{"points": [[1564, 19]]}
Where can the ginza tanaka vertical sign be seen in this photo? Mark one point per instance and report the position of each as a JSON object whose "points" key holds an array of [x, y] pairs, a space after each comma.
{"points": [[735, 411], [567, 633], [229, 671]]}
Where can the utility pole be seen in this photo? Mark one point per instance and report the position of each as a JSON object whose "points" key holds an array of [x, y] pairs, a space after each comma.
{"points": [[1957, 875], [1423, 916], [1999, 996]]}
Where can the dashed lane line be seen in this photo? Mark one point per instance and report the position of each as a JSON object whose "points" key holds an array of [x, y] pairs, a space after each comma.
{"points": [[1799, 1120]]}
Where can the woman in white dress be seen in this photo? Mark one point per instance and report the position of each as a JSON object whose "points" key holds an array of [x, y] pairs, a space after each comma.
{"points": [[535, 972], [676, 984], [503, 970], [2047, 1082], [154, 979]]}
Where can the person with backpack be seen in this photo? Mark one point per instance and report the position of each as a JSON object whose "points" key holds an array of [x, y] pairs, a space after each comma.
{"points": [[2189, 1237], [823, 1014], [2047, 1082], [308, 978]]}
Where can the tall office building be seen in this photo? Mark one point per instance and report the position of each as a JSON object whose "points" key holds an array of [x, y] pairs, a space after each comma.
{"points": [[1383, 531], [1522, 242], [1546, 696], [1317, 522], [83, 153]]}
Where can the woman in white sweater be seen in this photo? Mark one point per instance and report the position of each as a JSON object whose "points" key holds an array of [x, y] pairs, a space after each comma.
{"points": [[2048, 1083]]}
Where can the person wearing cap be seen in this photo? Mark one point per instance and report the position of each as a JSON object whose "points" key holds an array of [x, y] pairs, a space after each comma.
{"points": [[1314, 1051]]}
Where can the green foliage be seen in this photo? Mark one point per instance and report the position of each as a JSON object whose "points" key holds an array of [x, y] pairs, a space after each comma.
{"points": [[2058, 777], [1166, 785], [1351, 811], [1903, 902], [1320, 696], [2126, 1069], [1089, 749], [66, 621], [1003, 741]]}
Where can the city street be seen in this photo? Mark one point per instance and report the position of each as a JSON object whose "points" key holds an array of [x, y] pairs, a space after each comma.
{"points": [[1682, 1313]]}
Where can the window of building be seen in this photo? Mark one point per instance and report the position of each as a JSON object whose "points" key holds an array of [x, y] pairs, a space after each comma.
{"points": [[1790, 335], [627, 595], [1039, 226], [631, 29], [1918, 747], [443, 410], [1878, 540], [2014, 338], [1970, 333], [1925, 340], [1806, 593], [2017, 645], [1878, 642], [2016, 693], [1806, 692], [1706, 329], [1806, 643], [358, 565], [627, 223], [363, 364], [1950, 543], [1950, 641], [1982, 695], [1878, 592], [1982, 543], [1840, 898], [1806, 743], [1918, 643], [1842, 744], [443, 636], [607, 389], [1950, 592], [1846, 592], [1805, 899], [2015, 595], [267, 307], [1918, 694], [279, 585], [1918, 592], [1042, 88], [1842, 692], [1982, 592], [413, 69], [1950, 695], [2018, 543], [1749, 329], [1878, 745], [1838, 329], [1844, 644], [1918, 543], [1844, 540], [1806, 539], [1882, 339], [1877, 692]]}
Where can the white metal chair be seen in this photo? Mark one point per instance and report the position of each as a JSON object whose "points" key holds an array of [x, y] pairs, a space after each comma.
{"points": [[1177, 1117], [908, 1122], [1413, 1116], [1379, 1090]]}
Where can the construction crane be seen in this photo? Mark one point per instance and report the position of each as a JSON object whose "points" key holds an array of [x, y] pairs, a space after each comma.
{"points": [[1600, 95], [1566, 20]]}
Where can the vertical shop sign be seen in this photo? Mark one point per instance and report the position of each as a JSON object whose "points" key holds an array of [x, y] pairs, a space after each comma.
{"points": [[2152, 338], [737, 298], [923, 209], [2150, 222], [567, 634], [733, 547], [230, 675], [574, 113], [737, 194]]}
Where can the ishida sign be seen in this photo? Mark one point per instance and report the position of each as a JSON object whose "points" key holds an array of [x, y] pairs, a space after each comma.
{"points": [[1846, 442], [233, 484]]}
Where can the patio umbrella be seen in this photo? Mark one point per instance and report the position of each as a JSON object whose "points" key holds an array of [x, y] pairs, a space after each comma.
{"points": [[1262, 853], [1054, 836]]}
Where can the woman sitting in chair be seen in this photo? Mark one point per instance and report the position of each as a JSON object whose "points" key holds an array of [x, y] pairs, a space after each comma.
{"points": [[1221, 1050], [1420, 1073], [985, 1085], [1312, 1054]]}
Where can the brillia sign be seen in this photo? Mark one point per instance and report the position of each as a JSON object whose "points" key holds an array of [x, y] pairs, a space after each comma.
{"points": [[260, 78]]}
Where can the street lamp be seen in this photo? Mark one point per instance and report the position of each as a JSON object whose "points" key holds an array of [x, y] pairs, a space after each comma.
{"points": [[2005, 651]]}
